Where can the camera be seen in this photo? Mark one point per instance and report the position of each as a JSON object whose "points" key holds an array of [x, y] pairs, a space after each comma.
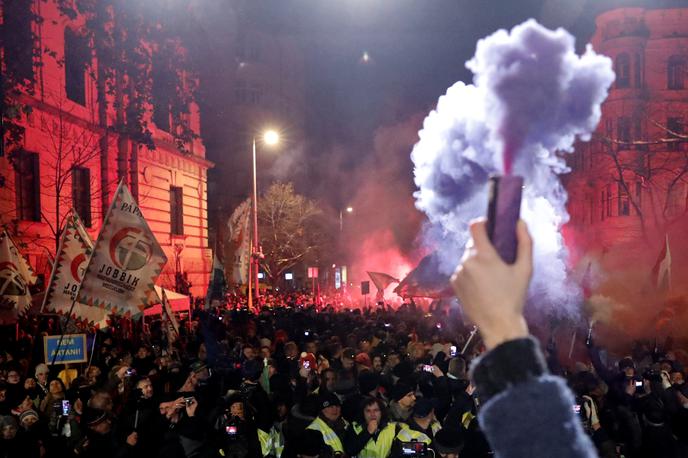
{"points": [[65, 407], [638, 383], [427, 367], [188, 400], [452, 351], [231, 430], [413, 449]]}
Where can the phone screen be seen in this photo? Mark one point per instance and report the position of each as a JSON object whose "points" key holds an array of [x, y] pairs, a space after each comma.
{"points": [[452, 350], [427, 367], [65, 407]]}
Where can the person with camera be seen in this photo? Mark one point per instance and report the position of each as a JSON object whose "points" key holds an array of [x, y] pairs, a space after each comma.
{"points": [[376, 436], [236, 434], [512, 376], [330, 423]]}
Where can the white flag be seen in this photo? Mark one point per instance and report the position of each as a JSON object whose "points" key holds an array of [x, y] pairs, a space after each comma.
{"points": [[68, 269], [15, 277], [238, 246], [170, 323], [126, 261]]}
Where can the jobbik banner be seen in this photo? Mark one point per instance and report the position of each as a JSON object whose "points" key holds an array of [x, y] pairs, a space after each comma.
{"points": [[126, 261], [72, 256], [16, 275]]}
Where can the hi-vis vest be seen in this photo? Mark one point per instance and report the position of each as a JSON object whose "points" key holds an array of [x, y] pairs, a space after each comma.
{"points": [[382, 447], [328, 434], [272, 443]]}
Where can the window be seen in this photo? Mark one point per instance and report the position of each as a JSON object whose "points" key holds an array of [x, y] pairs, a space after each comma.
{"points": [[639, 194], [176, 211], [623, 203], [608, 202], [675, 129], [76, 59], [676, 200], [602, 204], [676, 69], [608, 127], [623, 71], [18, 46], [81, 193], [637, 72], [245, 94], [163, 87], [623, 129], [28, 187]]}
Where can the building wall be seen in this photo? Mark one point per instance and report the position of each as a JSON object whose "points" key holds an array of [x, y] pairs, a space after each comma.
{"points": [[625, 234], [59, 128]]}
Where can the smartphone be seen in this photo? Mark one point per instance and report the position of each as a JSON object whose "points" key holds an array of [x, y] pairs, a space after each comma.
{"points": [[576, 408], [65, 407], [306, 364], [503, 210], [638, 383], [452, 351], [427, 367], [413, 448], [231, 430], [306, 333], [130, 372]]}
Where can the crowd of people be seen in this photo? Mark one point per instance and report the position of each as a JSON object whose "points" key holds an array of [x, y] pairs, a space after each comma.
{"points": [[296, 380]]}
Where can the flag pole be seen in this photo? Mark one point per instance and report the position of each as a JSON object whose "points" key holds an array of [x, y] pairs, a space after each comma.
{"points": [[59, 342]]}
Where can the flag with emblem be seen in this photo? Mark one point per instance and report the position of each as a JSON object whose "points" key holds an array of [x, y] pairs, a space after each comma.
{"points": [[126, 261], [72, 255], [16, 275]]}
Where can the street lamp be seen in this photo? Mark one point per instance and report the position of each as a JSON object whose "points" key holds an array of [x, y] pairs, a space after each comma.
{"points": [[270, 137], [341, 217]]}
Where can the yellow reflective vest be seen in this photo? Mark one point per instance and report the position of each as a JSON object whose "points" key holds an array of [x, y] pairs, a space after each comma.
{"points": [[329, 436], [382, 447]]}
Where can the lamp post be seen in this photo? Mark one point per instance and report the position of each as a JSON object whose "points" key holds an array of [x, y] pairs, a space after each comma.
{"points": [[270, 137], [341, 217]]}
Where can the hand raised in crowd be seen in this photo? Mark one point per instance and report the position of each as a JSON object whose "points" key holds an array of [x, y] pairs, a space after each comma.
{"points": [[132, 439], [372, 426], [492, 292], [191, 406]]}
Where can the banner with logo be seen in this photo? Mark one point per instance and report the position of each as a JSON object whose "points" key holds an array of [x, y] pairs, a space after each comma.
{"points": [[16, 275], [126, 261], [237, 244], [169, 321], [72, 256]]}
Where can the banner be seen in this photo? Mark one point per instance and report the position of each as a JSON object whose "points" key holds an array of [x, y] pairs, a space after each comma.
{"points": [[382, 280], [426, 280], [72, 349], [72, 256], [126, 261], [16, 275], [218, 283], [237, 244], [661, 272], [170, 324]]}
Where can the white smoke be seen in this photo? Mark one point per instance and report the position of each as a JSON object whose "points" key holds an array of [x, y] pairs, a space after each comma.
{"points": [[531, 97]]}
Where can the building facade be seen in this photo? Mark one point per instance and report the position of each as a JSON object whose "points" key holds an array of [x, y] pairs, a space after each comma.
{"points": [[628, 186], [91, 98]]}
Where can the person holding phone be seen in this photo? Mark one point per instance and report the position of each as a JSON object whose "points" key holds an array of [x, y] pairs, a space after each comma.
{"points": [[512, 377]]}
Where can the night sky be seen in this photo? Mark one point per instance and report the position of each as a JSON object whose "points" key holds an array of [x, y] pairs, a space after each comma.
{"points": [[417, 50]]}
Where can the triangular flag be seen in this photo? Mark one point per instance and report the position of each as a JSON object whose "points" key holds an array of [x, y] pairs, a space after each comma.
{"points": [[661, 272], [72, 256], [126, 261], [170, 324], [382, 280], [16, 275]]}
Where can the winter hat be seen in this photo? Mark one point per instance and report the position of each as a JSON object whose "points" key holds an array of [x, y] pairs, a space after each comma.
{"points": [[27, 414], [625, 363], [329, 400], [367, 382], [363, 359], [400, 390], [93, 416], [311, 443], [251, 369], [423, 407], [448, 440]]}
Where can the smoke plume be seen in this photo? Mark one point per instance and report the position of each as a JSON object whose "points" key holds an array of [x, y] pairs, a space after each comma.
{"points": [[532, 97]]}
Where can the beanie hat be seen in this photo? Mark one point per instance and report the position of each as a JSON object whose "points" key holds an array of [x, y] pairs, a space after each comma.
{"points": [[367, 382], [329, 400], [311, 443], [449, 440], [27, 414], [423, 407], [400, 390], [626, 362]]}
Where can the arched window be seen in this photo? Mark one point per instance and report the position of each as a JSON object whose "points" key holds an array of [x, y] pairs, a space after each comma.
{"points": [[623, 70], [676, 70]]}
